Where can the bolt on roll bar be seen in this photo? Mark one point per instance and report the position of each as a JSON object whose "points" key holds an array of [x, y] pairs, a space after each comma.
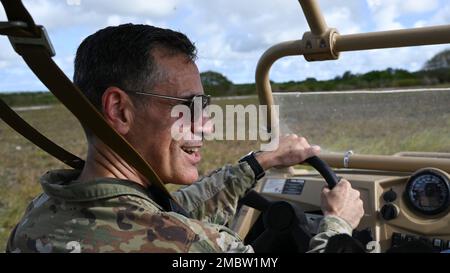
{"points": [[324, 43]]}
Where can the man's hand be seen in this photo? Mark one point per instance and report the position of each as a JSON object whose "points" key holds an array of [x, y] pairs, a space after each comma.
{"points": [[343, 201], [292, 150]]}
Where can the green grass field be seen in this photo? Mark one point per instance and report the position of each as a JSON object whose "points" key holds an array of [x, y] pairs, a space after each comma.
{"points": [[365, 123], [370, 123]]}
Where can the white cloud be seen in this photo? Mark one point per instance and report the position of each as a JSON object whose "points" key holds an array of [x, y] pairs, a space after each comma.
{"points": [[56, 14], [3, 64], [154, 8], [419, 6], [19, 78], [7, 54], [420, 23], [442, 16], [113, 20], [411, 6], [387, 13], [232, 34]]}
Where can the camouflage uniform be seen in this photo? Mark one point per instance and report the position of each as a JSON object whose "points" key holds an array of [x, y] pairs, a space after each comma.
{"points": [[113, 215]]}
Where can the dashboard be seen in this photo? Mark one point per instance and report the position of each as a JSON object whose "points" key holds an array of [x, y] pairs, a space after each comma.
{"points": [[399, 207]]}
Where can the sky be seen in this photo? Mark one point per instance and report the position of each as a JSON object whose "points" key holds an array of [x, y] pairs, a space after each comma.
{"points": [[231, 35]]}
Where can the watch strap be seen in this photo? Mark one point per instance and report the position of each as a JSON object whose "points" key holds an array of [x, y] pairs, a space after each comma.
{"points": [[254, 164]]}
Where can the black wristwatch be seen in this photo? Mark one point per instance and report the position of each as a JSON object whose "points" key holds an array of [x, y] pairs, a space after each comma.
{"points": [[254, 164]]}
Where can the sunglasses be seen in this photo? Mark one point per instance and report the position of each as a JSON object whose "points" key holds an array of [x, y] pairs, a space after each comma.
{"points": [[189, 102]]}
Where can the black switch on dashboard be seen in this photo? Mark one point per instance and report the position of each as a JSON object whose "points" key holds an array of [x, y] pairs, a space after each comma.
{"points": [[390, 196], [396, 239], [410, 238], [389, 212]]}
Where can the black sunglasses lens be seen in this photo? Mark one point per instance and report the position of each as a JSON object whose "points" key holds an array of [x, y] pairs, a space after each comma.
{"points": [[205, 101]]}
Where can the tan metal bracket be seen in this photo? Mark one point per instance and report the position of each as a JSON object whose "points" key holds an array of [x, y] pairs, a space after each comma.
{"points": [[320, 47]]}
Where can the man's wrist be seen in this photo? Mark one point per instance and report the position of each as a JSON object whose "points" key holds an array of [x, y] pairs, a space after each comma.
{"points": [[335, 224], [265, 160], [254, 164]]}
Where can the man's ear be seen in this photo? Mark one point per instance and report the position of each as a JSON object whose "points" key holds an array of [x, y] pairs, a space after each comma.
{"points": [[118, 109]]}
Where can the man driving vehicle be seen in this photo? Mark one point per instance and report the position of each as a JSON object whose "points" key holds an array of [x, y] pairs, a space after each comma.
{"points": [[134, 75]]}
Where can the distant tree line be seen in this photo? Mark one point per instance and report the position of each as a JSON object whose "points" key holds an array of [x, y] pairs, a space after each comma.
{"points": [[389, 78], [436, 72], [18, 99]]}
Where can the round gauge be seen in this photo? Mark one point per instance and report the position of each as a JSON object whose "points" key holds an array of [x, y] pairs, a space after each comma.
{"points": [[428, 191]]}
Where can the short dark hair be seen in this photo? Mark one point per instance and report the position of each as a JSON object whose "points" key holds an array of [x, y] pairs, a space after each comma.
{"points": [[122, 56]]}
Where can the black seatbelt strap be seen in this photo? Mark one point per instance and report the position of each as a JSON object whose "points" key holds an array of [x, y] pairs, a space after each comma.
{"points": [[32, 43], [167, 204], [22, 127]]}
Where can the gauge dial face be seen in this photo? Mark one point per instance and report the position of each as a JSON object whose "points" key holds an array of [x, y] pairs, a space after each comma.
{"points": [[428, 192]]}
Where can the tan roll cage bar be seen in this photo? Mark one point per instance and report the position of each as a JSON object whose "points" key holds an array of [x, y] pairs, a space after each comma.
{"points": [[324, 43]]}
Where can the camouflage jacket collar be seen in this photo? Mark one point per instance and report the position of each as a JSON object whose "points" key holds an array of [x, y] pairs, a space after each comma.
{"points": [[62, 184]]}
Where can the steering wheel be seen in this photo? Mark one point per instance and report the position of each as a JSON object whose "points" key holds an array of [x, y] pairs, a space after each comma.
{"points": [[285, 227]]}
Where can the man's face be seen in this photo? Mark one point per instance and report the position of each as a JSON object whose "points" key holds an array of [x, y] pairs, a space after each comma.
{"points": [[174, 161]]}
